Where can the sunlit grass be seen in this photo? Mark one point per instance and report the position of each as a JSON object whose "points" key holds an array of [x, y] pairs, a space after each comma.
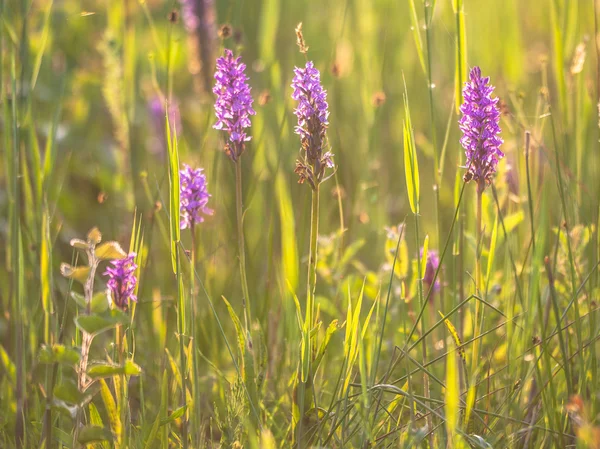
{"points": [[504, 354]]}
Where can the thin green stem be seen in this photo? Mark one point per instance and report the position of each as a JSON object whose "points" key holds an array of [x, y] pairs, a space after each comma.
{"points": [[15, 234], [241, 245], [529, 195], [422, 299], [120, 340], [182, 358], [312, 262], [430, 86], [195, 386]]}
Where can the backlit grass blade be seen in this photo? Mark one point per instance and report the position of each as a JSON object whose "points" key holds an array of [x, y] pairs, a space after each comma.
{"points": [[491, 253], [173, 190], [289, 250], [559, 55], [411, 165], [424, 255], [40, 54], [416, 29], [452, 396], [460, 59]]}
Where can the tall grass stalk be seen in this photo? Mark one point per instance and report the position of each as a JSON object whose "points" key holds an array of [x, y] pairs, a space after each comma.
{"points": [[15, 249]]}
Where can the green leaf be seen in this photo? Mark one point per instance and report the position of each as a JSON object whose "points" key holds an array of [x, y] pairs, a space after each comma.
{"points": [[66, 439], [99, 303], [79, 299], [69, 411], [241, 338], [178, 413], [513, 220], [68, 392], [94, 434], [95, 324], [79, 274], [58, 354], [349, 253], [100, 370], [110, 251]]}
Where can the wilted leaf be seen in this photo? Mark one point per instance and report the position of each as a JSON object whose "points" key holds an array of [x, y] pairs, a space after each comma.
{"points": [[79, 274], [110, 251], [91, 434], [94, 236], [58, 354], [79, 244], [479, 442], [111, 410], [96, 420]]}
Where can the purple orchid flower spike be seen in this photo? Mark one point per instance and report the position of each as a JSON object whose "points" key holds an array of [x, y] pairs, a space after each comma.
{"points": [[480, 126], [233, 106], [122, 281], [194, 197], [313, 114]]}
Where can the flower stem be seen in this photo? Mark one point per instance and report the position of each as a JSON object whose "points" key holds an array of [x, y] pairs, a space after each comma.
{"points": [[88, 290], [478, 290], [305, 385], [241, 245], [120, 340], [312, 261]]}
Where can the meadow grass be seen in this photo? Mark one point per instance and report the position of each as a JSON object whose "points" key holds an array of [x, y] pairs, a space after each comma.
{"points": [[299, 314]]}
